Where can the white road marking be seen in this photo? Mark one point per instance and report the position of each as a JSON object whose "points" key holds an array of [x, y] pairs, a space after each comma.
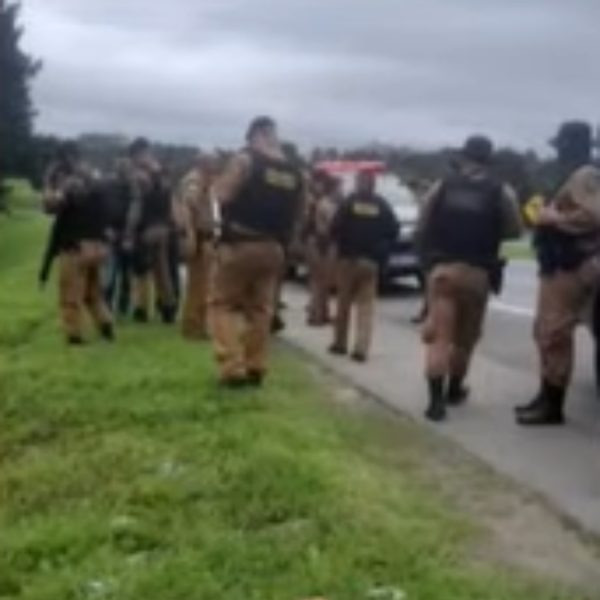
{"points": [[512, 309]]}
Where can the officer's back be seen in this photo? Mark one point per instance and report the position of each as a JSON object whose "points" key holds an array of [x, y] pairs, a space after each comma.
{"points": [[362, 231], [365, 225]]}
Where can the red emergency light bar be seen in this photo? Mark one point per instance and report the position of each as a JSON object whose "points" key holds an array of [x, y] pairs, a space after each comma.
{"points": [[338, 167]]}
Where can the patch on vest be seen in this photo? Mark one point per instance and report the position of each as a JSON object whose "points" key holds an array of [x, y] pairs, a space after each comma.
{"points": [[280, 179], [365, 209], [465, 200]]}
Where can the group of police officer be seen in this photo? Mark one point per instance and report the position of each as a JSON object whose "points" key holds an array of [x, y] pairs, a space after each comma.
{"points": [[233, 224]]}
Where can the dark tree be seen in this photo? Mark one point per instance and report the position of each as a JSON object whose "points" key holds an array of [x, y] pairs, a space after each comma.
{"points": [[16, 110]]}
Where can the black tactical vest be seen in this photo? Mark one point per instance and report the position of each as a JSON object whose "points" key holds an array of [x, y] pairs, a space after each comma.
{"points": [[85, 215], [555, 249], [467, 221], [269, 200], [157, 202]]}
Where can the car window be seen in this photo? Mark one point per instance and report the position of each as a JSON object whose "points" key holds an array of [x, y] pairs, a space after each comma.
{"points": [[394, 192]]}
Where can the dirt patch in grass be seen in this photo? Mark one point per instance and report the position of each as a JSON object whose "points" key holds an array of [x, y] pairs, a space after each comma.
{"points": [[517, 529]]}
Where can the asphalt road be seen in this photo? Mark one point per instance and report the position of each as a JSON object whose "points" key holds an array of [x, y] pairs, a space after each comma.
{"points": [[508, 330], [562, 464]]}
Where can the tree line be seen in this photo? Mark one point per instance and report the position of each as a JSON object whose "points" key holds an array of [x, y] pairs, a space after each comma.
{"points": [[24, 154]]}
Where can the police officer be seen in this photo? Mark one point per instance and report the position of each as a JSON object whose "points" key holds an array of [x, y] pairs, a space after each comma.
{"points": [[465, 219], [568, 246], [195, 222], [74, 194], [260, 194], [117, 285], [319, 248], [148, 234], [363, 230]]}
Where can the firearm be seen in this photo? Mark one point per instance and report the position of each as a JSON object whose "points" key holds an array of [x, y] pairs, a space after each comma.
{"points": [[51, 251], [557, 250], [496, 272]]}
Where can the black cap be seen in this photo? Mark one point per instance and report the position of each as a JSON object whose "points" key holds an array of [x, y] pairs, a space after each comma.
{"points": [[478, 149], [573, 143], [68, 150], [573, 132], [258, 125]]}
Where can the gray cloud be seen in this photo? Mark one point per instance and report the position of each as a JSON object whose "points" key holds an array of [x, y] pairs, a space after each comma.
{"points": [[337, 72]]}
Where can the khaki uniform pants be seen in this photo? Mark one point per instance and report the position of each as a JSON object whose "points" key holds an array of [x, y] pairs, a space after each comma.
{"points": [[195, 306], [80, 287], [242, 304], [457, 296], [561, 300], [356, 286], [321, 281], [155, 250]]}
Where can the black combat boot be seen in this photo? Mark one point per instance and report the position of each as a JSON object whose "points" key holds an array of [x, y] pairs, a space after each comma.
{"points": [[457, 391], [436, 411], [359, 357], [532, 404], [168, 314], [107, 332], [277, 324], [140, 315], [234, 383], [337, 350], [548, 410], [255, 378]]}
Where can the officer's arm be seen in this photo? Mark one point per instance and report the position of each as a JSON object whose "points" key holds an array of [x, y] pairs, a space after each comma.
{"points": [[53, 197], [301, 208], [426, 213], [339, 221], [182, 203], [308, 213], [512, 224], [578, 203], [322, 217], [232, 179], [203, 203], [576, 220]]}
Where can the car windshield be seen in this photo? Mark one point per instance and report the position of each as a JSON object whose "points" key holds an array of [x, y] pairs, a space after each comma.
{"points": [[388, 186], [394, 191]]}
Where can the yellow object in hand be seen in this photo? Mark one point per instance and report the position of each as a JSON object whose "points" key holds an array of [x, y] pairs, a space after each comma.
{"points": [[532, 209]]}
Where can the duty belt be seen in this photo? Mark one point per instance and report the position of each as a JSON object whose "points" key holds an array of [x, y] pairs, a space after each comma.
{"points": [[233, 233]]}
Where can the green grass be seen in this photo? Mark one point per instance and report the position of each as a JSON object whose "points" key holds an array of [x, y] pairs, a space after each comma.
{"points": [[126, 473], [20, 195], [518, 250]]}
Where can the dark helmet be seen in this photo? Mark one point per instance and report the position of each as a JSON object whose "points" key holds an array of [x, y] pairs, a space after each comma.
{"points": [[68, 151], [139, 146], [259, 125], [478, 149], [574, 142]]}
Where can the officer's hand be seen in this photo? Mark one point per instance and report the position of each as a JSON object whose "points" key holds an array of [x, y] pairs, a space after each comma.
{"points": [[54, 202], [548, 215]]}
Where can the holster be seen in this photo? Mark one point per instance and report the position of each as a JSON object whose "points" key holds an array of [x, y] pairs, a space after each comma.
{"points": [[232, 235], [496, 273], [52, 249], [557, 251]]}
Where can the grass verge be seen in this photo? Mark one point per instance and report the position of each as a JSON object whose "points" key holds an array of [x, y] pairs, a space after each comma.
{"points": [[518, 250], [126, 473]]}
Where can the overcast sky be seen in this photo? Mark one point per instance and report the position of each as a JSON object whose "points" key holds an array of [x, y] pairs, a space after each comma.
{"points": [[346, 72]]}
